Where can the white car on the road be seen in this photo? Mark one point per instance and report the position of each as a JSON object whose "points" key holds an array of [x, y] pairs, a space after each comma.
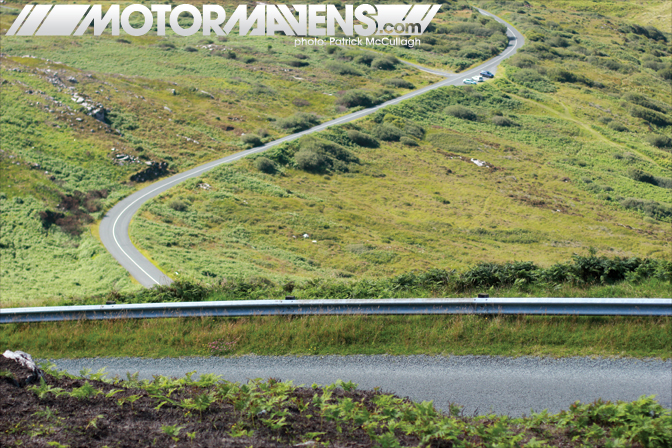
{"points": [[478, 78]]}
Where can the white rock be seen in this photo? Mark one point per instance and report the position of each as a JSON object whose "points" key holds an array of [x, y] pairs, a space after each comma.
{"points": [[26, 361]]}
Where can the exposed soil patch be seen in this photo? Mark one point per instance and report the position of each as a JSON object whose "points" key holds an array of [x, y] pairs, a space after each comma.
{"points": [[67, 411], [130, 418]]}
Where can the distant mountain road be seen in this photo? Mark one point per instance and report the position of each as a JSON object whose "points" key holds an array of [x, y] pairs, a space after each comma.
{"points": [[114, 227], [482, 384]]}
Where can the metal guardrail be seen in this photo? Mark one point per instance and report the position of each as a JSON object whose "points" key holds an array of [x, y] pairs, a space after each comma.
{"points": [[533, 306]]}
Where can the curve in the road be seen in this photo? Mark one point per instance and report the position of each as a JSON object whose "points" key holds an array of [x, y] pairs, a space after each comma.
{"points": [[114, 227]]}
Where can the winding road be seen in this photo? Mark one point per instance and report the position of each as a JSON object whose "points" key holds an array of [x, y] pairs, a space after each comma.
{"points": [[114, 227], [510, 386]]}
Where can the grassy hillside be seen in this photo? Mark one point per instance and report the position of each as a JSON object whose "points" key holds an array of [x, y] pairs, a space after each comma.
{"points": [[574, 133], [170, 103], [574, 141]]}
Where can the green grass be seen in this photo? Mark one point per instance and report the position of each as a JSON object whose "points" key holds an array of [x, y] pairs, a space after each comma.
{"points": [[558, 184], [52, 149], [35, 260], [558, 336], [402, 209]]}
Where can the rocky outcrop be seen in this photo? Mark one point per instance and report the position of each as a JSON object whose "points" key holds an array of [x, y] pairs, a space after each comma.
{"points": [[153, 171]]}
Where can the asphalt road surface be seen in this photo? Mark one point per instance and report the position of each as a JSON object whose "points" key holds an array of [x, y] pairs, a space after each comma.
{"points": [[114, 226], [482, 384]]}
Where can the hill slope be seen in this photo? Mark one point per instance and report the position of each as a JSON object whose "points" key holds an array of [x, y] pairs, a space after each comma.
{"points": [[575, 134], [575, 138]]}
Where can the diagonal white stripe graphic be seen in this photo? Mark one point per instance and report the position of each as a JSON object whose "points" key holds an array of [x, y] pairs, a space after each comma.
{"points": [[417, 13], [19, 20], [34, 19], [62, 20]]}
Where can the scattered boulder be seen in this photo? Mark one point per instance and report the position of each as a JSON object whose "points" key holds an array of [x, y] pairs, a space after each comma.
{"points": [[99, 114], [154, 170], [93, 109]]}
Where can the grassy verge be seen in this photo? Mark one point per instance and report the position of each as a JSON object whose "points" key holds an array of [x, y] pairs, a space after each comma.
{"points": [[344, 335], [210, 412]]}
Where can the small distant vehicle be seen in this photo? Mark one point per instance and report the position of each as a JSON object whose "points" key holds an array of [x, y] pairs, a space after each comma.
{"points": [[478, 78], [487, 74], [470, 81]]}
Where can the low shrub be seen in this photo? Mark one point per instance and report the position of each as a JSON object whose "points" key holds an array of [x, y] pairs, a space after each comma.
{"points": [[475, 29], [522, 60], [356, 98], [384, 63], [659, 141], [561, 75], [365, 59], [642, 176], [652, 209], [387, 132], [295, 63], [665, 73], [331, 149], [318, 156], [558, 41], [643, 101], [178, 205], [498, 120], [616, 126], [414, 131], [581, 270], [398, 83], [265, 165], [408, 141], [312, 161], [298, 122], [473, 52], [461, 112], [252, 140], [362, 139], [650, 115]]}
